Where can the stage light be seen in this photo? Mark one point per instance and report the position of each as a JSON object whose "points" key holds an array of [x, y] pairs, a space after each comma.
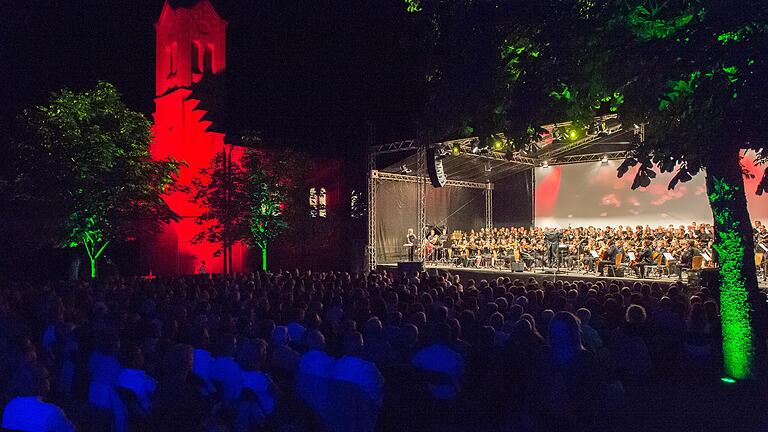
{"points": [[573, 134], [604, 160], [456, 149], [488, 166], [728, 380], [498, 143], [545, 164]]}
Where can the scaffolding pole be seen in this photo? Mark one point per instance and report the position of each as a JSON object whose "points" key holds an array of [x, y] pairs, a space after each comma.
{"points": [[372, 187], [488, 206], [421, 192]]}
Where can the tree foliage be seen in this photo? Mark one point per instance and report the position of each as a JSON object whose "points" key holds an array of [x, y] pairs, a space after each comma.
{"points": [[688, 74], [84, 157], [243, 197]]}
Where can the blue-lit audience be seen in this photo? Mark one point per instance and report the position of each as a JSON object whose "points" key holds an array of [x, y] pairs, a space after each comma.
{"points": [[342, 352]]}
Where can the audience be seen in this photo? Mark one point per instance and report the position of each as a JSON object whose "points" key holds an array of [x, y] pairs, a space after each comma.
{"points": [[342, 352]]}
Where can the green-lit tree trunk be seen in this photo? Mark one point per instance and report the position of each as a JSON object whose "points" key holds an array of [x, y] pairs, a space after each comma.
{"points": [[94, 251], [264, 257], [734, 244]]}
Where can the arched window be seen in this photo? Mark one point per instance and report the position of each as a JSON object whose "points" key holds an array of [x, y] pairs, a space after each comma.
{"points": [[195, 59], [208, 60], [171, 51]]}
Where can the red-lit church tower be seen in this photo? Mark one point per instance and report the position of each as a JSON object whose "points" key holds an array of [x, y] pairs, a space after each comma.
{"points": [[191, 47]]}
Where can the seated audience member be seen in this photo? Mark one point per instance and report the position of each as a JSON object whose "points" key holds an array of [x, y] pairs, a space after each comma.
{"points": [[314, 374], [258, 398], [27, 411], [104, 369], [590, 336], [133, 377], [441, 360], [203, 360], [178, 404], [285, 360], [225, 372], [573, 384], [356, 389], [630, 351]]}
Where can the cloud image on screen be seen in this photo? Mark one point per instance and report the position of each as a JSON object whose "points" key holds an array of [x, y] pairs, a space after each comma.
{"points": [[591, 194]]}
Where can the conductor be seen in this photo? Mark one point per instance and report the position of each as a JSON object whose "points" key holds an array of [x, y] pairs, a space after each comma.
{"points": [[553, 237]]}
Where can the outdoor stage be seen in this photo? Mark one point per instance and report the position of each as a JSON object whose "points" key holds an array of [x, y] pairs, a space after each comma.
{"points": [[540, 274]]}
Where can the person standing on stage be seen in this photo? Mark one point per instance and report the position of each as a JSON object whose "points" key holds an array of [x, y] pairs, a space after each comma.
{"points": [[411, 243]]}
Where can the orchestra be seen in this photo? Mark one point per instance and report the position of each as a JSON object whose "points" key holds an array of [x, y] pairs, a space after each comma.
{"points": [[640, 249]]}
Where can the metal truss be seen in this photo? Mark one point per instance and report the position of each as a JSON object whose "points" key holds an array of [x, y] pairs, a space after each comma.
{"points": [[383, 175], [373, 181], [489, 206], [591, 157], [421, 194], [467, 144], [394, 147]]}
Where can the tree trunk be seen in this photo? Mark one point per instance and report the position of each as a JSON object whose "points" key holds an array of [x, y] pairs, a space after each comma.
{"points": [[264, 257], [93, 267], [734, 244]]}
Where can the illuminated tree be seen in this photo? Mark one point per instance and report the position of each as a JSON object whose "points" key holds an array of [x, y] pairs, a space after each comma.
{"points": [[266, 194], [83, 159], [690, 73], [242, 200], [221, 190]]}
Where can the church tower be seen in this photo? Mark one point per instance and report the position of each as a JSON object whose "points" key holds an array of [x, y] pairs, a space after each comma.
{"points": [[190, 58]]}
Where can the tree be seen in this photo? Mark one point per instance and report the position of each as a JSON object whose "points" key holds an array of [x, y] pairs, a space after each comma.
{"points": [[222, 190], [266, 196], [84, 157], [242, 200], [688, 73]]}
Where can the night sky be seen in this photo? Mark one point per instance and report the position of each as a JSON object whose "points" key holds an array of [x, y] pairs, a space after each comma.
{"points": [[306, 74]]}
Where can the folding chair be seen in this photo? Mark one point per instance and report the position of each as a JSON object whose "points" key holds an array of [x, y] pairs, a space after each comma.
{"points": [[616, 264], [657, 258]]}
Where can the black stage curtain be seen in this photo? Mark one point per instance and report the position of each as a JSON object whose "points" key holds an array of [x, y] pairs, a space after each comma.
{"points": [[512, 200], [455, 207]]}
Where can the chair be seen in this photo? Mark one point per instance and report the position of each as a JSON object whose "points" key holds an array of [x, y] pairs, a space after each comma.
{"points": [[657, 266], [695, 270], [616, 264]]}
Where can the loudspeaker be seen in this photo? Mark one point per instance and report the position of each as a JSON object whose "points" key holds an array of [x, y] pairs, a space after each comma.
{"points": [[435, 168], [409, 267]]}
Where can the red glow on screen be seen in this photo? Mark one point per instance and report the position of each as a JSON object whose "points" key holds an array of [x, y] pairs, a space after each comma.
{"points": [[547, 191]]}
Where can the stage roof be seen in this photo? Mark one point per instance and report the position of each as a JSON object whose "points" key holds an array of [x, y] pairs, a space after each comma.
{"points": [[492, 166]]}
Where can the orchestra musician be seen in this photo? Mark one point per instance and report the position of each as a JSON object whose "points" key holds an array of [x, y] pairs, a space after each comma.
{"points": [[644, 258]]}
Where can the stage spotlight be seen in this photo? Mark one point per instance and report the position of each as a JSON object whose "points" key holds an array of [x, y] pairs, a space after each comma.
{"points": [[545, 164], [498, 143], [456, 149], [573, 134], [488, 166], [405, 170], [604, 160]]}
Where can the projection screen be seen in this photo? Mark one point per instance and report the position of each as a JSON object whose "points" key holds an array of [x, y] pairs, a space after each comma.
{"points": [[590, 194]]}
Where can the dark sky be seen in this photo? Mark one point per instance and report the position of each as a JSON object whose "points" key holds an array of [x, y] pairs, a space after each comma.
{"points": [[306, 73]]}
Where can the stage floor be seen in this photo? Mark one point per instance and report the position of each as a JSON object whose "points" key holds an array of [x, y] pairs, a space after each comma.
{"points": [[542, 274]]}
